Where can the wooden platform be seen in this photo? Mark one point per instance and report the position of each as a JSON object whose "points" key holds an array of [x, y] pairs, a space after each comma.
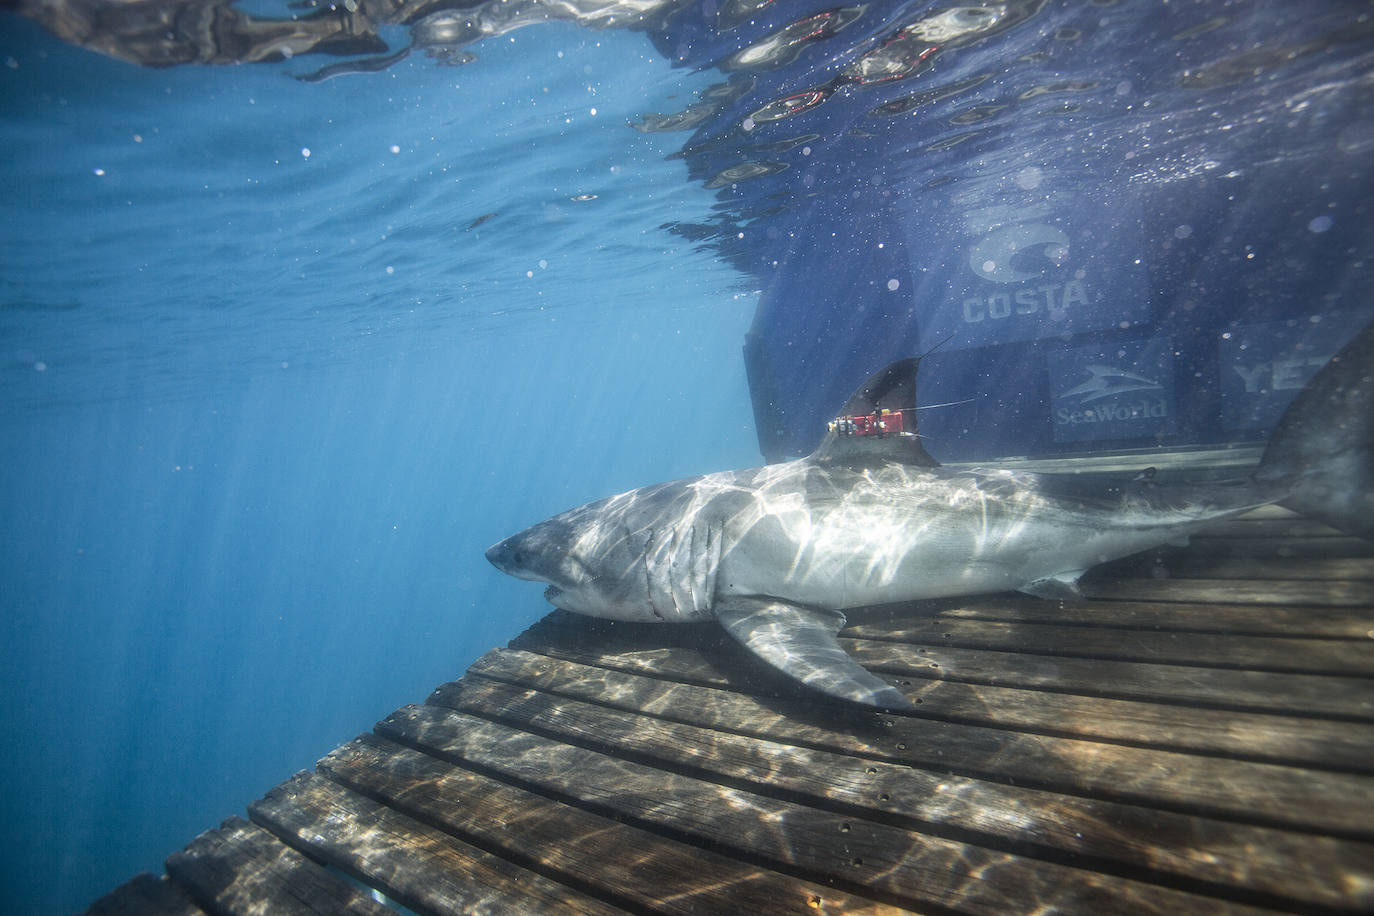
{"points": [[1196, 738]]}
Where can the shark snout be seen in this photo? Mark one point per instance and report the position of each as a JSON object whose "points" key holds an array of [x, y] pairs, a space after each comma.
{"points": [[516, 556], [505, 557]]}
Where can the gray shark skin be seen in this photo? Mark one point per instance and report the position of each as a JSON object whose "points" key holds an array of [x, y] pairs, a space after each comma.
{"points": [[1320, 450], [777, 553]]}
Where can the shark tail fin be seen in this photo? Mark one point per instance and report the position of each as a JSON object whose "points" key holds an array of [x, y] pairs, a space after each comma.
{"points": [[1321, 454]]}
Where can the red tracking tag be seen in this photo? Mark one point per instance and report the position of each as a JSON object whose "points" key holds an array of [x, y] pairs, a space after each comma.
{"points": [[882, 423]]}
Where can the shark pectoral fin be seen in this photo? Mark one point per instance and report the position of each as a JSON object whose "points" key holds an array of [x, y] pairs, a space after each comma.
{"points": [[800, 642], [1058, 587]]}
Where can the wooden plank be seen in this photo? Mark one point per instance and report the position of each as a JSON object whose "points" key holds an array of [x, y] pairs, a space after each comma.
{"points": [[1286, 740], [1338, 623], [423, 868], [242, 869], [907, 867], [1348, 698], [1252, 653], [644, 870], [1301, 869], [1280, 547], [1305, 593], [1180, 564], [1243, 791], [703, 655], [146, 895]]}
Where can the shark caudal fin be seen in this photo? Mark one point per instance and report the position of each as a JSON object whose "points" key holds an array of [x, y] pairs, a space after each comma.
{"points": [[1322, 451]]}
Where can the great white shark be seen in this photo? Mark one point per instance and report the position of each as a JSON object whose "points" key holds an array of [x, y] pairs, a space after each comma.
{"points": [[777, 553]]}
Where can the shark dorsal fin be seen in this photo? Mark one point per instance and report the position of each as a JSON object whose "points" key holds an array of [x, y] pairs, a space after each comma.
{"points": [[878, 423]]}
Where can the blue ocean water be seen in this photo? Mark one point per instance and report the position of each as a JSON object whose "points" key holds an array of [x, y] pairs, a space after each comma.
{"points": [[262, 411], [279, 359]]}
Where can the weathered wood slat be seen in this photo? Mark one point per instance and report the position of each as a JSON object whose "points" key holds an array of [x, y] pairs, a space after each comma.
{"points": [[1279, 547], [706, 657], [1335, 623], [1305, 593], [1250, 736], [422, 868], [1195, 851], [908, 867], [146, 895], [1182, 564], [1248, 792], [1251, 653], [643, 869], [1297, 694], [242, 869]]}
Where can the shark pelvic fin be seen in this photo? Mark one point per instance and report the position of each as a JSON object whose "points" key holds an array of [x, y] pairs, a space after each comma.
{"points": [[1058, 587], [800, 642]]}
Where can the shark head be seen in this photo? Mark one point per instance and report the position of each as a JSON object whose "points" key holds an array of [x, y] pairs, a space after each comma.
{"points": [[630, 557], [548, 552]]}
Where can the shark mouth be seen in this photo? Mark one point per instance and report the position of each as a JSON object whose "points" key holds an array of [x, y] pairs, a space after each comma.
{"points": [[551, 593]]}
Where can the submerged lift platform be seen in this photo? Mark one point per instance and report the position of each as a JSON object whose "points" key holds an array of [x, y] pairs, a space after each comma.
{"points": [[1197, 736]]}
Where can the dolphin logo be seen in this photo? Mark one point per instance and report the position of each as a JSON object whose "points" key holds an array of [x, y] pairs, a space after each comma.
{"points": [[1105, 381], [777, 554]]}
